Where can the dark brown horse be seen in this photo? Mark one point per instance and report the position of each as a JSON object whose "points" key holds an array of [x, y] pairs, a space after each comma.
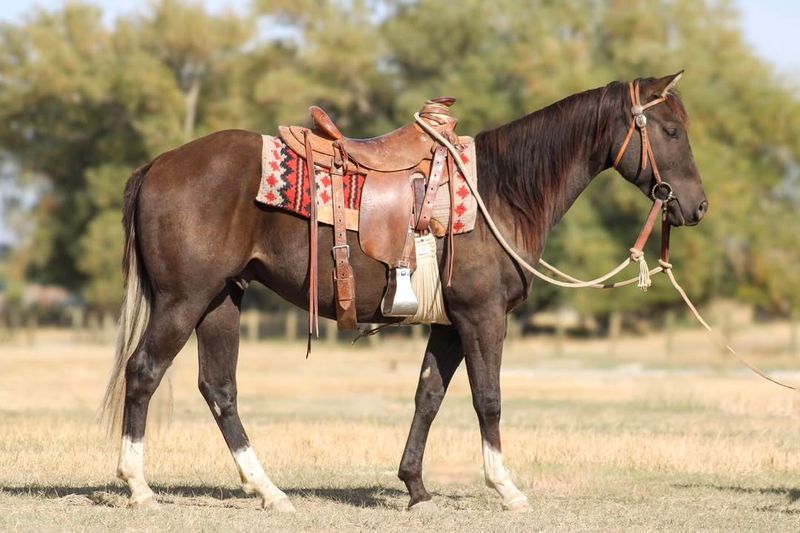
{"points": [[195, 238]]}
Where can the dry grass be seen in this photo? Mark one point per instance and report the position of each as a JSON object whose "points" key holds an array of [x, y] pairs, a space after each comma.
{"points": [[598, 443]]}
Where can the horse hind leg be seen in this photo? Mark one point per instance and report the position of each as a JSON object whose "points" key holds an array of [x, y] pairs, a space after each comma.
{"points": [[171, 322], [218, 347]]}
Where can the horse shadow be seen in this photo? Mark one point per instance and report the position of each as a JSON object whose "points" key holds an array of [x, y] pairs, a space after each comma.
{"points": [[792, 495], [116, 495]]}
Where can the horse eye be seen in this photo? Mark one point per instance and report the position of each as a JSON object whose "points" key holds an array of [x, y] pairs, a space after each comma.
{"points": [[672, 132]]}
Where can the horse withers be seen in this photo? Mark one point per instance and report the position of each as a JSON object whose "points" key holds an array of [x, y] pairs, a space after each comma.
{"points": [[195, 238]]}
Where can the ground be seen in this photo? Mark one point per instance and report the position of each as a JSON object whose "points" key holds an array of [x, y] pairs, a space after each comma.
{"points": [[635, 440]]}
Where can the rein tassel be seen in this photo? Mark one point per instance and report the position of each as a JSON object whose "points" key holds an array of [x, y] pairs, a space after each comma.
{"points": [[644, 270]]}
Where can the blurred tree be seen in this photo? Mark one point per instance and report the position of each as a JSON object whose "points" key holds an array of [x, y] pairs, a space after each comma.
{"points": [[58, 118], [83, 104], [333, 58], [184, 39]]}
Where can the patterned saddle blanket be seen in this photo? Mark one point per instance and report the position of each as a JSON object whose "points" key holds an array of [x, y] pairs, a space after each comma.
{"points": [[285, 185]]}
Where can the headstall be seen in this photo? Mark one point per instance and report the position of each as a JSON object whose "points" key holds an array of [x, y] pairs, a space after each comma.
{"points": [[661, 193]]}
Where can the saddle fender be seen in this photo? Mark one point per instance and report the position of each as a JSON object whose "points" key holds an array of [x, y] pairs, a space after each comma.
{"points": [[387, 204]]}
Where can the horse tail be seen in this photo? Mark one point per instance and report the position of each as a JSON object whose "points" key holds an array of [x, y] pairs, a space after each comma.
{"points": [[135, 312]]}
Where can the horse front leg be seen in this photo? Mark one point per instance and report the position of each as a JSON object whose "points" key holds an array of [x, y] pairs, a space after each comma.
{"points": [[483, 346], [442, 357]]}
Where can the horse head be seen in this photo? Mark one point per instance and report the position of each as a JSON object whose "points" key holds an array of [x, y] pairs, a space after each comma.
{"points": [[651, 141]]}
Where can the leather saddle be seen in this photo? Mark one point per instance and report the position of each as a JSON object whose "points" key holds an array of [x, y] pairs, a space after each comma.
{"points": [[403, 169], [400, 149]]}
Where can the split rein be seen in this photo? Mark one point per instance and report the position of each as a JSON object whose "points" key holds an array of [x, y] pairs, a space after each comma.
{"points": [[661, 195]]}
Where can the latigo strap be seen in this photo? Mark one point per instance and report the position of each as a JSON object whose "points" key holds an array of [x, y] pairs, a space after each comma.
{"points": [[343, 280]]}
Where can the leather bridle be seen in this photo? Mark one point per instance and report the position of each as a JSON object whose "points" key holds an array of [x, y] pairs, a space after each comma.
{"points": [[639, 121], [661, 193]]}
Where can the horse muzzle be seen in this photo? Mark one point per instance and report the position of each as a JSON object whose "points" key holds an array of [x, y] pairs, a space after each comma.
{"points": [[677, 215]]}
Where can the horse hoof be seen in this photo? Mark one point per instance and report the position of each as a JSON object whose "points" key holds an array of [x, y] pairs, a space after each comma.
{"points": [[281, 505], [148, 502], [517, 506], [427, 506]]}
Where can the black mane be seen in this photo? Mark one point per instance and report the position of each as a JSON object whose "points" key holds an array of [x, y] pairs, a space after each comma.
{"points": [[524, 163]]}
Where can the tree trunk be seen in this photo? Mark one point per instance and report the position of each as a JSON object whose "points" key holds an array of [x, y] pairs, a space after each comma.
{"points": [[191, 98]]}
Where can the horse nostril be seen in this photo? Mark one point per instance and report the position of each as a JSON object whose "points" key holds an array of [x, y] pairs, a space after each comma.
{"points": [[702, 209]]}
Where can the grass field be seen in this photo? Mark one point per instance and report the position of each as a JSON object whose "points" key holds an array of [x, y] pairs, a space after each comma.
{"points": [[631, 441]]}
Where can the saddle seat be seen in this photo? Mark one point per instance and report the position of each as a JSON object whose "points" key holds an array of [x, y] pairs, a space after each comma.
{"points": [[401, 149], [397, 150]]}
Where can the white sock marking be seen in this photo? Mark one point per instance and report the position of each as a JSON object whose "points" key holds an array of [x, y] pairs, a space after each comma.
{"points": [[254, 478], [498, 478], [131, 469]]}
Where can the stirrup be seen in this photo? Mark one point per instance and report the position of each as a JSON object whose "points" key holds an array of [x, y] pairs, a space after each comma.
{"points": [[399, 299]]}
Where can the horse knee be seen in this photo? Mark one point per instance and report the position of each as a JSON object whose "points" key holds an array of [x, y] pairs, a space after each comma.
{"points": [[221, 397], [487, 405], [428, 403]]}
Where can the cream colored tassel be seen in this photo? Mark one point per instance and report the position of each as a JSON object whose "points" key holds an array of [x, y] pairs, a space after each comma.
{"points": [[644, 271], [427, 285]]}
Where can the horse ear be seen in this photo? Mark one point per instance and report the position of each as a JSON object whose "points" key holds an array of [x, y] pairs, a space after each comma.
{"points": [[662, 86]]}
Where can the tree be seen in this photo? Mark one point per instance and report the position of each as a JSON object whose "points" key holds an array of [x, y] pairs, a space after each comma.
{"points": [[194, 46], [57, 120], [84, 104], [333, 55]]}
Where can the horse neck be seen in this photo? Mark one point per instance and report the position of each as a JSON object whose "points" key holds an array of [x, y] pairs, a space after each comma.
{"points": [[532, 170]]}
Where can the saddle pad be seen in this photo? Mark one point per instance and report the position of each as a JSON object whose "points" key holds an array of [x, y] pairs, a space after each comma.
{"points": [[284, 184]]}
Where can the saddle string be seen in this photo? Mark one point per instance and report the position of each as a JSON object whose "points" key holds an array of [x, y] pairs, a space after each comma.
{"points": [[664, 265], [313, 285], [451, 243]]}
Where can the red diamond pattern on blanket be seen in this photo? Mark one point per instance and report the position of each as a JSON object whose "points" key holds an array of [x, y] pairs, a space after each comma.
{"points": [[284, 173], [284, 181]]}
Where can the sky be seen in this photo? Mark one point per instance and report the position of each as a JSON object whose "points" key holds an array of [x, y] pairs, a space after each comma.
{"points": [[14, 9]]}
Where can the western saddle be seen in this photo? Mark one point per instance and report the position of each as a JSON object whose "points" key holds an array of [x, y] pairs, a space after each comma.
{"points": [[403, 171]]}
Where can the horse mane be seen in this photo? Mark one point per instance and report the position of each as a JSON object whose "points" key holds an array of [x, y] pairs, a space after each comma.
{"points": [[524, 164]]}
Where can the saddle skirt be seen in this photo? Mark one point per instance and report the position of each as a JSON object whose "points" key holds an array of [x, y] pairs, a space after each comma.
{"points": [[285, 185]]}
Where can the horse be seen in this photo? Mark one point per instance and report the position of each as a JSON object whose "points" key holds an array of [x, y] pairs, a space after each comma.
{"points": [[194, 239]]}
